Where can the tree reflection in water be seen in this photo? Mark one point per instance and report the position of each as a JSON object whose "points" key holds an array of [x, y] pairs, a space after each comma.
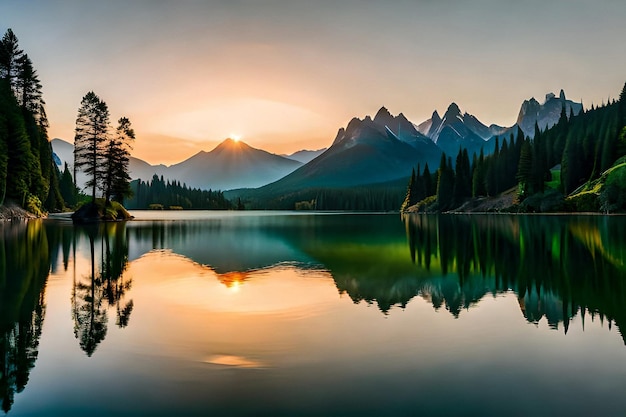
{"points": [[24, 267], [557, 266], [105, 286]]}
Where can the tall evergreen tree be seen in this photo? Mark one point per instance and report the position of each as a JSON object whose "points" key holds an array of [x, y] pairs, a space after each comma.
{"points": [[117, 179], [409, 200], [539, 165], [427, 178], [3, 157], [28, 87], [24, 120], [463, 178], [445, 184], [622, 107], [67, 188], [20, 159], [10, 53], [524, 169], [92, 134], [479, 176]]}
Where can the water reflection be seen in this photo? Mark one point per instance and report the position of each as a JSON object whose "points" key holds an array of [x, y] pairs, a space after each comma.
{"points": [[557, 267], [103, 286], [24, 266]]}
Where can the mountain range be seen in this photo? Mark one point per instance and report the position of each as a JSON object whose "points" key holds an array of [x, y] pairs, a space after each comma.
{"points": [[367, 151], [232, 164], [546, 114], [305, 155]]}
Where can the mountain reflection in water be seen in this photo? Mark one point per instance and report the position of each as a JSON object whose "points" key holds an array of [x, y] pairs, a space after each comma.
{"points": [[558, 267]]}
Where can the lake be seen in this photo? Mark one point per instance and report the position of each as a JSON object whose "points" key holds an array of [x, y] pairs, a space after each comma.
{"points": [[314, 314]]}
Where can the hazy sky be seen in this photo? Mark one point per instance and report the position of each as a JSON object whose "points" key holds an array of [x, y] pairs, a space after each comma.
{"points": [[285, 75]]}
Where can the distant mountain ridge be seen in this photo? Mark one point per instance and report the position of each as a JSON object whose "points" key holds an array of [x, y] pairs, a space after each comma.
{"points": [[367, 151], [545, 115], [63, 152], [229, 165], [232, 164], [458, 130], [305, 155]]}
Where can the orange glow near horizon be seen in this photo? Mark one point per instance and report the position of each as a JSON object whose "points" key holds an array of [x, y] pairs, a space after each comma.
{"points": [[180, 281], [288, 75]]}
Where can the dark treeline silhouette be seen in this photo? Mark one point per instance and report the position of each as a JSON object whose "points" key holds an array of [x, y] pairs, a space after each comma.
{"points": [[578, 148], [160, 193], [28, 175], [375, 197]]}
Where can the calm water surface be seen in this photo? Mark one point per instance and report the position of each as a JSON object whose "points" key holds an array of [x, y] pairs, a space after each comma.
{"points": [[214, 313]]}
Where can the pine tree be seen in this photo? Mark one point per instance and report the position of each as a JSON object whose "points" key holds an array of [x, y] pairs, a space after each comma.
{"points": [[3, 158], [117, 156], [54, 201], [24, 117], [479, 176], [410, 189], [539, 165], [419, 188], [622, 108], [67, 188], [427, 178], [491, 170], [28, 87], [10, 53], [92, 133], [524, 169], [20, 159], [445, 184], [463, 178]]}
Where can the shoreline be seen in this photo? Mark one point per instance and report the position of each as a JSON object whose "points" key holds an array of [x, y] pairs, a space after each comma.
{"points": [[15, 213]]}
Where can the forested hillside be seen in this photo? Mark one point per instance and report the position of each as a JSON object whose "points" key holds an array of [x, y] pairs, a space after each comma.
{"points": [[576, 165], [163, 194], [28, 176]]}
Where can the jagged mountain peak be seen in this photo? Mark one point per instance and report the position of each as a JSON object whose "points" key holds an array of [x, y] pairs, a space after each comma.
{"points": [[340, 134], [453, 111], [382, 115], [545, 115], [428, 127]]}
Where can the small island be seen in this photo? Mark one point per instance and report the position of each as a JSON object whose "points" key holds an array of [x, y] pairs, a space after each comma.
{"points": [[104, 157], [100, 210]]}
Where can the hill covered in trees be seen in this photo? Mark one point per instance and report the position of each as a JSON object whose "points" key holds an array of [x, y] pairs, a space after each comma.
{"points": [[163, 194], [28, 175], [576, 165]]}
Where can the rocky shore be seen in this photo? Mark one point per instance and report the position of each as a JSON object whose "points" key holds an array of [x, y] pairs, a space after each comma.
{"points": [[13, 212]]}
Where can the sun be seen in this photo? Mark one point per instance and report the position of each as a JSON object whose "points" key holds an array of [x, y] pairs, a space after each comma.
{"points": [[236, 137]]}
